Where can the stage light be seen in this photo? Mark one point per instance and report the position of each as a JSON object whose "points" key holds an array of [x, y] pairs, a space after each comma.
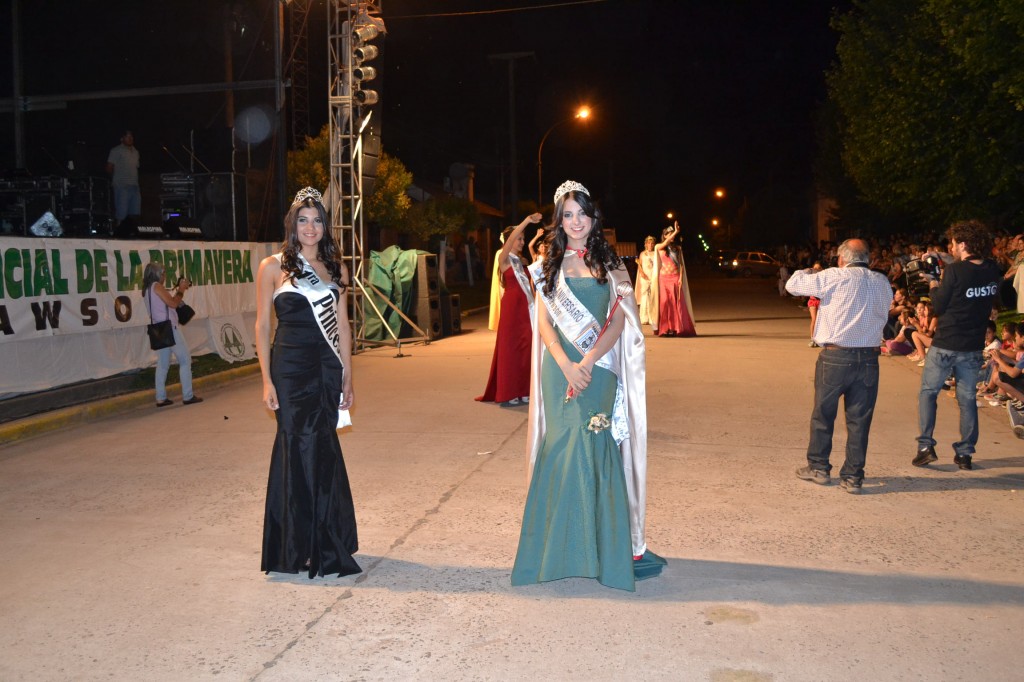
{"points": [[362, 52]]}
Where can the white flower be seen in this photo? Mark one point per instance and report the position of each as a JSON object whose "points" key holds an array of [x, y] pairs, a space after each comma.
{"points": [[598, 422]]}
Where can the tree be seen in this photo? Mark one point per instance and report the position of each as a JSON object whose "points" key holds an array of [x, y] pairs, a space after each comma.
{"points": [[928, 97], [440, 217], [310, 166], [389, 203]]}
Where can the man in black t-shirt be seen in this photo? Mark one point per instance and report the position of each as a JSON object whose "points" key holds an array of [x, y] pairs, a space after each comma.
{"points": [[963, 302]]}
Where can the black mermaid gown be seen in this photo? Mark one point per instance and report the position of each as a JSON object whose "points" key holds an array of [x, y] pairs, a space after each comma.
{"points": [[309, 514]]}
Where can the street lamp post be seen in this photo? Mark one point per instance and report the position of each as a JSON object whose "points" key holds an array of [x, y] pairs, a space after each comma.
{"points": [[581, 113]]}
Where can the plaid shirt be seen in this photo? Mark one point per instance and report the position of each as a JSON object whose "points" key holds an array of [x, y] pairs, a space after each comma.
{"points": [[854, 304]]}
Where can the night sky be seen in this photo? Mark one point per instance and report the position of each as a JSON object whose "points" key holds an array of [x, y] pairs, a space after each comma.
{"points": [[687, 95]]}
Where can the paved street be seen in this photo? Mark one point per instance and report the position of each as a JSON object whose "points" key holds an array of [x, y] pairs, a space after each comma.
{"points": [[132, 545]]}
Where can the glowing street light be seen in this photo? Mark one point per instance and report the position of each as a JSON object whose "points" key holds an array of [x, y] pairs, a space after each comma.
{"points": [[670, 215], [583, 113], [714, 222], [719, 193]]}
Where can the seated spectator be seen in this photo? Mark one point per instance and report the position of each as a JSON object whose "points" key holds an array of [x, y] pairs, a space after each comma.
{"points": [[900, 344], [1010, 377], [924, 330]]}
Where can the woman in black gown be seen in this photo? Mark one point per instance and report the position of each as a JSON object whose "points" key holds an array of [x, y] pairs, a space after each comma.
{"points": [[309, 525]]}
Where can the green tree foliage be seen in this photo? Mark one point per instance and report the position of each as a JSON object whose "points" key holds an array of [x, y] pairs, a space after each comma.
{"points": [[389, 203], [441, 217], [928, 97], [311, 165]]}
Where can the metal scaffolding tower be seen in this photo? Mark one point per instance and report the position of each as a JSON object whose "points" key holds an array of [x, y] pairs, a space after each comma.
{"points": [[297, 70], [351, 25]]}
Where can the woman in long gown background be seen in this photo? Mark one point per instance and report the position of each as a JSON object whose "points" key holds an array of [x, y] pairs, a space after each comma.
{"points": [[584, 513], [647, 285], [309, 523], [509, 380], [675, 314]]}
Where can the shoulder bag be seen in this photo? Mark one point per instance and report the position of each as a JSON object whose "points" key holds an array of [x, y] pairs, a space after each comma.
{"points": [[161, 334]]}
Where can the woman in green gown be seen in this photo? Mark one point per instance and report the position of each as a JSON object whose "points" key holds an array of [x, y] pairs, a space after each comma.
{"points": [[584, 513]]}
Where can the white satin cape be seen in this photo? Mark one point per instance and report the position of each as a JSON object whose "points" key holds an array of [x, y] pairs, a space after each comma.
{"points": [[683, 291], [632, 372], [652, 284]]}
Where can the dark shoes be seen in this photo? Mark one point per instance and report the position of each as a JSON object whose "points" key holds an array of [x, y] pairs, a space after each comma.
{"points": [[813, 475], [925, 456], [850, 485], [964, 462], [164, 403], [192, 401]]}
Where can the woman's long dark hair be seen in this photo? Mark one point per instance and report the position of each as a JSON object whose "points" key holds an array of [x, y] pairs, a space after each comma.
{"points": [[327, 250], [600, 256]]}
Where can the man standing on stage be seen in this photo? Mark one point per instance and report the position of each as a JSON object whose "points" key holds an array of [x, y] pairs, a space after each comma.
{"points": [[963, 302], [123, 167], [853, 310]]}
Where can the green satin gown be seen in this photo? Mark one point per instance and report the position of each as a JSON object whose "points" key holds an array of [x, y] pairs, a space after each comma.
{"points": [[576, 522]]}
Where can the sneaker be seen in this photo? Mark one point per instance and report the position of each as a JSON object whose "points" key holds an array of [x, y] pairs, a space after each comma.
{"points": [[850, 485], [193, 400], [814, 475], [164, 403], [963, 461], [925, 456], [511, 403]]}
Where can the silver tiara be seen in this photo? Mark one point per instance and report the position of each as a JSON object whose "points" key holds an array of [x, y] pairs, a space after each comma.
{"points": [[308, 193], [569, 186]]}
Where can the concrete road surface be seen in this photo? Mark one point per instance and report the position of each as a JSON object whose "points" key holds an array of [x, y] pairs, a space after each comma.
{"points": [[131, 545]]}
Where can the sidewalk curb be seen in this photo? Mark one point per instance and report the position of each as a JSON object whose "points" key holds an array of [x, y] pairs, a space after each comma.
{"points": [[48, 422]]}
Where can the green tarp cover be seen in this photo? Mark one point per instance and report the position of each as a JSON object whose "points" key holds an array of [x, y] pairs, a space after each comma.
{"points": [[393, 273]]}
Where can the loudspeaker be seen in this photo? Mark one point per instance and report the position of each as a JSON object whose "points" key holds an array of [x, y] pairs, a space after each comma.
{"points": [[456, 313], [221, 207], [183, 228], [427, 278], [428, 316], [129, 228], [371, 155], [446, 314]]}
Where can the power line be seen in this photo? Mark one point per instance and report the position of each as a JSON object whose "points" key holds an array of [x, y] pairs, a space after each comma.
{"points": [[497, 11]]}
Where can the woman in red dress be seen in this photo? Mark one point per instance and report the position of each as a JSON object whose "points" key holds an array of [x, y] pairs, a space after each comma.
{"points": [[509, 381], [675, 316]]}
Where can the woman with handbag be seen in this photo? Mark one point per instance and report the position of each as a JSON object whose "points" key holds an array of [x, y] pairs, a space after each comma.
{"points": [[162, 305]]}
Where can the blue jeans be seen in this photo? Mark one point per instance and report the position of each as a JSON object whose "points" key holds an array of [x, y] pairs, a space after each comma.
{"points": [[937, 367], [850, 373], [163, 363], [127, 201]]}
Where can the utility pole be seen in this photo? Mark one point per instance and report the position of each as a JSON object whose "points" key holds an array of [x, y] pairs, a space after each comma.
{"points": [[511, 58]]}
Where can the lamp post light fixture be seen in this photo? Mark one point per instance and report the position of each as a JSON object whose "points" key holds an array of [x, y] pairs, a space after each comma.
{"points": [[714, 222], [583, 113], [670, 215], [719, 193]]}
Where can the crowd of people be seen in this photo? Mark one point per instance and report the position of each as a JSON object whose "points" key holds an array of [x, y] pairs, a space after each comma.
{"points": [[931, 300]]}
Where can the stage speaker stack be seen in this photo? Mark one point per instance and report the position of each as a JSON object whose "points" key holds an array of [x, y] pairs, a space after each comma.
{"points": [[221, 207], [87, 207], [428, 298], [456, 313]]}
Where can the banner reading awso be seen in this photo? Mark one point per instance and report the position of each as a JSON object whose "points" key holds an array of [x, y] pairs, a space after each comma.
{"points": [[72, 309]]}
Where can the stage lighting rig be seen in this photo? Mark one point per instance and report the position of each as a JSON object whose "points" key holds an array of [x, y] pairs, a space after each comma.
{"points": [[364, 31]]}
